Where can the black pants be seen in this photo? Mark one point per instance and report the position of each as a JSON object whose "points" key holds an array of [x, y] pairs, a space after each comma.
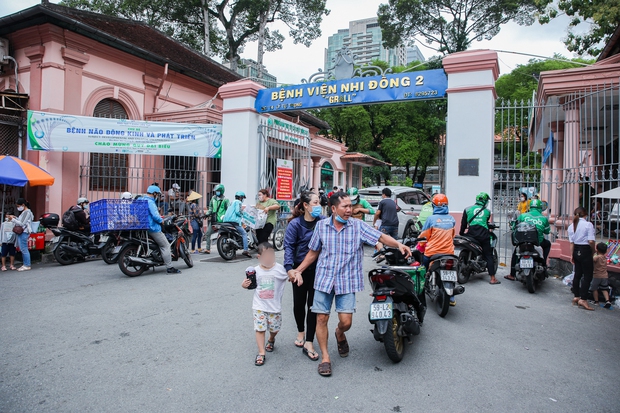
{"points": [[546, 247], [584, 268], [303, 296], [487, 251], [263, 234]]}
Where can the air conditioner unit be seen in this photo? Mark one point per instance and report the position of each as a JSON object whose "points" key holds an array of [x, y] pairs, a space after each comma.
{"points": [[4, 51]]}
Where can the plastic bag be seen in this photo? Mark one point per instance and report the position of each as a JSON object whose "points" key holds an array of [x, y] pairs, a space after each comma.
{"points": [[568, 280], [254, 218]]}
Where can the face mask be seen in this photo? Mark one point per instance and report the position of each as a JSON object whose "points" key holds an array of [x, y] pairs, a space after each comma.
{"points": [[20, 208], [316, 211], [85, 207], [218, 193], [355, 202], [340, 219]]}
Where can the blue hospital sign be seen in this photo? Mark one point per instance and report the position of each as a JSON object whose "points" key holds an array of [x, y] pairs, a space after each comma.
{"points": [[428, 84]]}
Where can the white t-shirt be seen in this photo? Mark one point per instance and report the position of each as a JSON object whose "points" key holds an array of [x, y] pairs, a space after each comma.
{"points": [[269, 288]]}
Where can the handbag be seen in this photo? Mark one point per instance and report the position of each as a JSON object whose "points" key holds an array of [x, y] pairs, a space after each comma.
{"points": [[18, 229]]}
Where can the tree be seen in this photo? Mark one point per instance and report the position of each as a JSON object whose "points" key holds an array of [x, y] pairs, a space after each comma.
{"points": [[450, 26], [602, 17]]}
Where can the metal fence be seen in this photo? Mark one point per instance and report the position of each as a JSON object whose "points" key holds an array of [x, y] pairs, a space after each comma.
{"points": [[565, 151]]}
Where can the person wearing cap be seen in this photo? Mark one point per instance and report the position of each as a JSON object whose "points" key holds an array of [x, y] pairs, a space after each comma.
{"points": [[361, 207], [155, 220], [174, 198]]}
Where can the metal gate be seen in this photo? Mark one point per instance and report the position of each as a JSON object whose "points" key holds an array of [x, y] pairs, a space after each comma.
{"points": [[564, 150], [283, 141]]}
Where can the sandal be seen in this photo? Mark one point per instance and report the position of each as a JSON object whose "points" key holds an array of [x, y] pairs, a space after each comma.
{"points": [[270, 346], [343, 347], [300, 343], [23, 268], [13, 268], [509, 277], [312, 355], [325, 369], [259, 360], [496, 282], [3, 269]]}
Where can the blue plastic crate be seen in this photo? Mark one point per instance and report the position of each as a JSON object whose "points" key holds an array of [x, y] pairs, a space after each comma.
{"points": [[119, 215]]}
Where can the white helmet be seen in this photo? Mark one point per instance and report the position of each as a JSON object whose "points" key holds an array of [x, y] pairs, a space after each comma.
{"points": [[82, 200], [126, 195]]}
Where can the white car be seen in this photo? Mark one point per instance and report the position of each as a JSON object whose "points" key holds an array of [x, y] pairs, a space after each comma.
{"points": [[409, 202]]}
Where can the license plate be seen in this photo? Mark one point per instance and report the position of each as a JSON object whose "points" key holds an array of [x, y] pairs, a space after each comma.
{"points": [[526, 263], [55, 240], [369, 218], [117, 249], [447, 275], [381, 311], [103, 238]]}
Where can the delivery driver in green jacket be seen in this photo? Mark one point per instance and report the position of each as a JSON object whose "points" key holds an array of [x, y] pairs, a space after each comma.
{"points": [[217, 208], [477, 217], [361, 207], [536, 218]]}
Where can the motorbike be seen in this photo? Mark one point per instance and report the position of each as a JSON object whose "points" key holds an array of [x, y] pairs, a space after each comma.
{"points": [[71, 246], [111, 249], [229, 240], [396, 312], [471, 256], [530, 267], [139, 252], [441, 279]]}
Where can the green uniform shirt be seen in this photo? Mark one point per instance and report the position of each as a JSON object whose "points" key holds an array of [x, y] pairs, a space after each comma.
{"points": [[482, 219], [218, 207], [541, 222], [271, 215], [364, 204], [425, 212]]}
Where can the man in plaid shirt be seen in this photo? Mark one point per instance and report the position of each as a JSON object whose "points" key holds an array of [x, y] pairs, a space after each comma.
{"points": [[338, 242]]}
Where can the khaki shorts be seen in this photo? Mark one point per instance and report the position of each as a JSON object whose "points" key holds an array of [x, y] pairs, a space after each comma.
{"points": [[599, 283]]}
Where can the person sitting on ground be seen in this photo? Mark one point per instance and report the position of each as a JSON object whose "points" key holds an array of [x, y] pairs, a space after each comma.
{"points": [[601, 277], [271, 278], [233, 215]]}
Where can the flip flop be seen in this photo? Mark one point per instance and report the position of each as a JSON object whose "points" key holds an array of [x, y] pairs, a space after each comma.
{"points": [[259, 360], [496, 282], [270, 346], [343, 347], [510, 277], [312, 355], [300, 343], [325, 369], [3, 268]]}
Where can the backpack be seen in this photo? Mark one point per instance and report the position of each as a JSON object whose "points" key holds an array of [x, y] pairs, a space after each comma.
{"points": [[69, 221], [324, 200]]}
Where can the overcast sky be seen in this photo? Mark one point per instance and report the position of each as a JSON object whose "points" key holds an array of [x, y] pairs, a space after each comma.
{"points": [[295, 62]]}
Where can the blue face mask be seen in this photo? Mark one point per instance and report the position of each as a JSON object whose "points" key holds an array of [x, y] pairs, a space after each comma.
{"points": [[316, 211], [218, 193], [340, 219]]}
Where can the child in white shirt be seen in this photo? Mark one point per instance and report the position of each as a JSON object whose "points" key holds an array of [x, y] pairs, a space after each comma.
{"points": [[271, 278]]}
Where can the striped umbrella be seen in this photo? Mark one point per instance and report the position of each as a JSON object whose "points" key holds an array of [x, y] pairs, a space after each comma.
{"points": [[18, 172]]}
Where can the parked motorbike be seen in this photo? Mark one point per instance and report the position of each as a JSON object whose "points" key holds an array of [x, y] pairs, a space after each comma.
{"points": [[229, 240], [530, 267], [139, 252], [112, 248], [471, 256], [396, 311], [440, 282], [71, 246]]}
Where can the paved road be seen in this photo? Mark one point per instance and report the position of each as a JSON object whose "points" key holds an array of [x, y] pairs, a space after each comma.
{"points": [[85, 338]]}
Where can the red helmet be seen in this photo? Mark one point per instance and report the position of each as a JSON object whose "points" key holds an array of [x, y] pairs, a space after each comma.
{"points": [[439, 200]]}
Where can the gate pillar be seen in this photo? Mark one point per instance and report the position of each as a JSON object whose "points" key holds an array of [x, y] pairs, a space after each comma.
{"points": [[240, 142], [471, 126]]}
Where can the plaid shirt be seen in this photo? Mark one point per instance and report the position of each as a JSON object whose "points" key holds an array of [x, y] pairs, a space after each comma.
{"points": [[339, 266]]}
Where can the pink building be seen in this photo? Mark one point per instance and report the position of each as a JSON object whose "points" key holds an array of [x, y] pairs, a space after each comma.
{"points": [[81, 63]]}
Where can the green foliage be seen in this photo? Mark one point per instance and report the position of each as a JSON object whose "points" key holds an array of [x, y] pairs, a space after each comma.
{"points": [[375, 174], [452, 25], [601, 16]]}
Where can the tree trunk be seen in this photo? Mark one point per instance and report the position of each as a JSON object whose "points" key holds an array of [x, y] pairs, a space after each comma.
{"points": [[415, 170], [408, 169], [205, 14], [261, 43]]}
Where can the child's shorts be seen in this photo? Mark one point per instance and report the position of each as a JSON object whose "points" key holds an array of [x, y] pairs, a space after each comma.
{"points": [[263, 319], [598, 283], [8, 249]]}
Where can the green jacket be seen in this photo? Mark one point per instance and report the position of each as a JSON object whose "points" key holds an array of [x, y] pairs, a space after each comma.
{"points": [[218, 207], [479, 225], [425, 212], [539, 220], [364, 204]]}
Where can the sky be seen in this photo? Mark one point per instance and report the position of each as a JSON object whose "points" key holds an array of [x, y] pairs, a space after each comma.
{"points": [[296, 62]]}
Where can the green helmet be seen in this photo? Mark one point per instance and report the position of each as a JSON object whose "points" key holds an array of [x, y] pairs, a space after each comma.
{"points": [[219, 187], [353, 194], [482, 198], [536, 204]]}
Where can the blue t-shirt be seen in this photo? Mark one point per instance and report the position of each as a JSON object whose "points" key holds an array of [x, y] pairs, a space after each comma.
{"points": [[233, 213]]}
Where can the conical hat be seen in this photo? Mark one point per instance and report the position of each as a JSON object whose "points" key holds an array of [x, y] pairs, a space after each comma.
{"points": [[193, 196]]}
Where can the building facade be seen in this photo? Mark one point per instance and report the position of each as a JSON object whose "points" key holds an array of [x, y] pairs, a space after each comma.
{"points": [[248, 68]]}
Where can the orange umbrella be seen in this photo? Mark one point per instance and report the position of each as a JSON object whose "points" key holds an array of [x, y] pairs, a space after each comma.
{"points": [[18, 172]]}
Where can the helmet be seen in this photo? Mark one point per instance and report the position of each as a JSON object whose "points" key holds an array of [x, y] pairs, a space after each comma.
{"points": [[126, 195], [82, 200], [219, 187], [439, 200], [536, 204], [153, 190], [482, 198], [353, 194], [175, 186], [240, 195]]}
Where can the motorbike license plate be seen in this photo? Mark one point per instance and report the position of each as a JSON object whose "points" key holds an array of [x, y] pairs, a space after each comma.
{"points": [[447, 275], [55, 240], [526, 263], [381, 311], [117, 249]]}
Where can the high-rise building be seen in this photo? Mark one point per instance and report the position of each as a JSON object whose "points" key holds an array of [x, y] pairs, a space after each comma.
{"points": [[414, 54], [364, 39], [249, 68]]}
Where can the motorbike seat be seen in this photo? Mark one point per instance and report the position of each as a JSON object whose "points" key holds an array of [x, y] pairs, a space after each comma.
{"points": [[468, 238], [440, 256]]}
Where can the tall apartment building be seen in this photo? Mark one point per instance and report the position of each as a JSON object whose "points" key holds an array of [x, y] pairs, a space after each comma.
{"points": [[364, 39], [249, 68]]}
